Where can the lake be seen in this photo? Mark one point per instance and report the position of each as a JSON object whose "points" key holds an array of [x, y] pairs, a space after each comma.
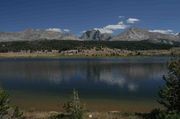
{"points": [[104, 84]]}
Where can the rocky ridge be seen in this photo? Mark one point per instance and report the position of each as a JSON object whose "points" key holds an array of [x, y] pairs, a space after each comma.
{"points": [[31, 34], [131, 34]]}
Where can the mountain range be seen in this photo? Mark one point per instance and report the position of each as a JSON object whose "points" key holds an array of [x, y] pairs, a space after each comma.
{"points": [[31, 34], [134, 34], [131, 34]]}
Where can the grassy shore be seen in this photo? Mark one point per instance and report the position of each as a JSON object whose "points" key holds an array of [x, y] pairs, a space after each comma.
{"points": [[91, 53], [87, 115]]}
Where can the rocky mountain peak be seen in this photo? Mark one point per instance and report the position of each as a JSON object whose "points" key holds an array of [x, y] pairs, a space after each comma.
{"points": [[91, 35], [138, 34], [132, 34], [36, 34], [95, 35]]}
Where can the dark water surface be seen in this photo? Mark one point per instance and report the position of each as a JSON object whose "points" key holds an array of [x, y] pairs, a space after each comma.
{"points": [[104, 84]]}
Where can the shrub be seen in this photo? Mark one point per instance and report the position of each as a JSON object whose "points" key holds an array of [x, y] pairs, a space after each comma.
{"points": [[159, 114], [170, 93], [74, 107], [4, 104], [7, 111]]}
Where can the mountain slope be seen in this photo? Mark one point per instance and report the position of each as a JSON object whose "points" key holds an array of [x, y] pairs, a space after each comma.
{"points": [[137, 34], [131, 34], [31, 34]]}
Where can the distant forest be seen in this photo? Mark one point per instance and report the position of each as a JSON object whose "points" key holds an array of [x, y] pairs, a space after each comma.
{"points": [[62, 45]]}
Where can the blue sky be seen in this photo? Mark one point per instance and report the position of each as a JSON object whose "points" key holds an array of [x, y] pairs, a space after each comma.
{"points": [[80, 15]]}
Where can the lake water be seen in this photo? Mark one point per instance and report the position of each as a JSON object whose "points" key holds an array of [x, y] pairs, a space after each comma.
{"points": [[104, 84]]}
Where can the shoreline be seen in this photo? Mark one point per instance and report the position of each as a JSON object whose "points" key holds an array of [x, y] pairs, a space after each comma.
{"points": [[100, 115], [78, 57], [90, 53], [60, 56]]}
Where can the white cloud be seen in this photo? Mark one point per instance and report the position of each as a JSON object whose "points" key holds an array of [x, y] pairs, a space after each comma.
{"points": [[132, 20], [168, 31], [66, 30], [116, 27], [104, 30], [121, 22], [54, 29], [111, 28], [83, 31], [121, 25], [120, 17]]}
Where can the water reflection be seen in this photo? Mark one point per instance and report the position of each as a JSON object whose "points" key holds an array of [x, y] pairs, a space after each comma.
{"points": [[104, 78]]}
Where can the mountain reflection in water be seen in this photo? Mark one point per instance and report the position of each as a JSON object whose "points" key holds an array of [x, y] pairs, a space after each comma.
{"points": [[113, 78]]}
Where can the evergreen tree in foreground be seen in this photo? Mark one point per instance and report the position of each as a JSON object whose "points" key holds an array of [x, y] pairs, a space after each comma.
{"points": [[74, 107], [7, 111], [170, 93], [4, 104]]}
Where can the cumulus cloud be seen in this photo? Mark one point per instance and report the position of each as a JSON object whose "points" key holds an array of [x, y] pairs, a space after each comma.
{"points": [[132, 20], [54, 29], [104, 30], [66, 30], [58, 30], [121, 25], [168, 31], [111, 28], [83, 31], [116, 27]]}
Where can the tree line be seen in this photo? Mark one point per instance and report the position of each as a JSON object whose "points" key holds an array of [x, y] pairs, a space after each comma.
{"points": [[62, 45]]}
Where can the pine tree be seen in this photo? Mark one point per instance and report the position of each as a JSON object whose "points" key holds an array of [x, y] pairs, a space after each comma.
{"points": [[4, 104], [17, 114], [170, 93], [74, 107], [5, 108]]}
